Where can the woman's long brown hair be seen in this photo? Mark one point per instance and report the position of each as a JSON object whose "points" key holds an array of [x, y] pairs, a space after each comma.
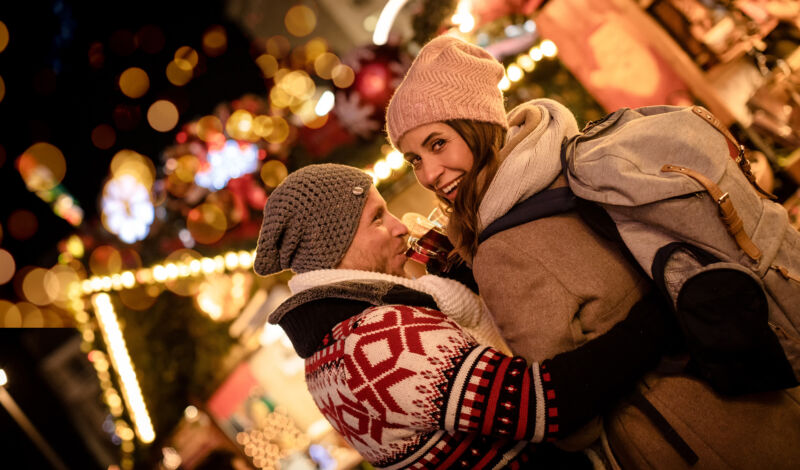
{"points": [[485, 140]]}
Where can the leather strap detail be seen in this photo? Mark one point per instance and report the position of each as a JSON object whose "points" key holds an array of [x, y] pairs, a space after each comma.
{"points": [[711, 119], [783, 271], [667, 431], [737, 151], [727, 212]]}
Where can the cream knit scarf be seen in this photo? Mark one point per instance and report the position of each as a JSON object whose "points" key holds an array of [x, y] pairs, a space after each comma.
{"points": [[453, 298], [533, 159]]}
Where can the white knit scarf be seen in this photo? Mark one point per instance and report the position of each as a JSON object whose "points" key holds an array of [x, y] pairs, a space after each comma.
{"points": [[533, 164], [453, 298]]}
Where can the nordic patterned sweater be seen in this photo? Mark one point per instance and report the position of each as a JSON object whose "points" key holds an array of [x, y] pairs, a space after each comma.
{"points": [[407, 388]]}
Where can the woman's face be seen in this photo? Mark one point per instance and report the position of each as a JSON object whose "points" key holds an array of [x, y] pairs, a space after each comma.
{"points": [[439, 156]]}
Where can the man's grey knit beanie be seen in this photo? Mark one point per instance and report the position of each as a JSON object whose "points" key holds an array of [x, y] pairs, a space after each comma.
{"points": [[310, 219]]}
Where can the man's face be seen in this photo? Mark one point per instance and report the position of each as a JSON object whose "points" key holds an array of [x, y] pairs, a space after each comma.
{"points": [[380, 241]]}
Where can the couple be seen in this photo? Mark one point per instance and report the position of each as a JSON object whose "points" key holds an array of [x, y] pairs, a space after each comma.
{"points": [[412, 372]]}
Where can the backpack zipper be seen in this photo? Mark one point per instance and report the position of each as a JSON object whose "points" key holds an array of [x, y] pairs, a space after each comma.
{"points": [[785, 273], [782, 331]]}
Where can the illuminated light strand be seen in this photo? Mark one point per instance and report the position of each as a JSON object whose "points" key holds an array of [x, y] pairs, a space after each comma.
{"points": [[526, 63], [100, 362], [386, 20], [161, 273], [121, 361], [385, 167]]}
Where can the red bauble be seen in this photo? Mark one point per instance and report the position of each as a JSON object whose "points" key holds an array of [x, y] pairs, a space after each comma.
{"points": [[373, 83]]}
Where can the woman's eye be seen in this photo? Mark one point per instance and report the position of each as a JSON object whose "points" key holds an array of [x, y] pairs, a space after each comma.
{"points": [[414, 161], [438, 144]]}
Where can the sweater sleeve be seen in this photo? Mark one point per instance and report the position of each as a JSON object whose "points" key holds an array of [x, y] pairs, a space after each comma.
{"points": [[412, 368], [494, 394]]}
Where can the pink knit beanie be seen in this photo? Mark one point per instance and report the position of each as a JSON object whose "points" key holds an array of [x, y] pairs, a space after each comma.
{"points": [[449, 79]]}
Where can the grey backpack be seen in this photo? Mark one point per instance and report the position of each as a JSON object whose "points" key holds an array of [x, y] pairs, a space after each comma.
{"points": [[685, 204]]}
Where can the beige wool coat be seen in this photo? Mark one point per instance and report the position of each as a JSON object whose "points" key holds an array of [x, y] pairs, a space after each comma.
{"points": [[553, 284]]}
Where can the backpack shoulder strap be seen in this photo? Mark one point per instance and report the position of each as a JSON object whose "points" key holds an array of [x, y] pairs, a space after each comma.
{"points": [[543, 204]]}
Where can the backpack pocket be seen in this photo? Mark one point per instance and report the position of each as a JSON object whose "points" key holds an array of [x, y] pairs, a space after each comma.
{"points": [[723, 312]]}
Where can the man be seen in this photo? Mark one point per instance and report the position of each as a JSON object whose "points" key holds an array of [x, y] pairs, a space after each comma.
{"points": [[386, 360]]}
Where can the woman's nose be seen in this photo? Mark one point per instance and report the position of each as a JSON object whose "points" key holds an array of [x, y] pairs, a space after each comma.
{"points": [[429, 174]]}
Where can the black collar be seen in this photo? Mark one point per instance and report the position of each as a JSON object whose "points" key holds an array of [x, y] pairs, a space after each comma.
{"points": [[307, 324]]}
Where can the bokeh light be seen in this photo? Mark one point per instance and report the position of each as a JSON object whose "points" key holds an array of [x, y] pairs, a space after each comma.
{"points": [[22, 224], [262, 126], [162, 116], [10, 315], [104, 136], [326, 102], [382, 169], [2, 88], [279, 132], [233, 160], [324, 65], [30, 315], [515, 72], [186, 58], [343, 76], [33, 287], [548, 48], [74, 246], [273, 172], [134, 82], [215, 41], [127, 208], [140, 297], [315, 48], [526, 62], [208, 126], [178, 76], [240, 125], [3, 36], [298, 85], [300, 20], [57, 282], [182, 281], [128, 162], [222, 296], [42, 166], [207, 223], [395, 160], [268, 65], [186, 167], [278, 46], [105, 260], [7, 266]]}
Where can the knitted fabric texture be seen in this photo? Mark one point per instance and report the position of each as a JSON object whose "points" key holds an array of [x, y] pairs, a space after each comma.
{"points": [[453, 299], [311, 218], [449, 79]]}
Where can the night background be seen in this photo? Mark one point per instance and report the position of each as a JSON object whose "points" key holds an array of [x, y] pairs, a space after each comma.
{"points": [[140, 140]]}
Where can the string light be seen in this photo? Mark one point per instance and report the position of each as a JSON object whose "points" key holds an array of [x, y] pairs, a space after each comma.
{"points": [[386, 20], [107, 320], [230, 261], [463, 17]]}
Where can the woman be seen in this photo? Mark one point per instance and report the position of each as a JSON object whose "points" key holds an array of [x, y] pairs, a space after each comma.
{"points": [[551, 284]]}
